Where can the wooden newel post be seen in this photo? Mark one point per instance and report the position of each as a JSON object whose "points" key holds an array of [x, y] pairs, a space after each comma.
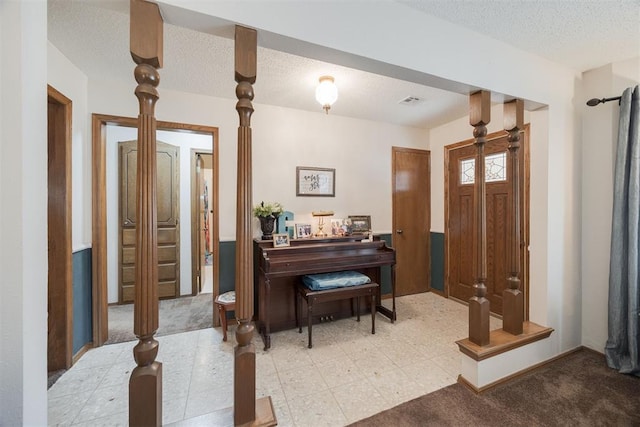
{"points": [[246, 410], [512, 297], [145, 384], [245, 354], [479, 117]]}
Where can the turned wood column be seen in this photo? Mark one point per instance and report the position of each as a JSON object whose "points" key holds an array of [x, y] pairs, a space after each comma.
{"points": [[244, 410], [479, 117], [145, 384], [512, 297]]}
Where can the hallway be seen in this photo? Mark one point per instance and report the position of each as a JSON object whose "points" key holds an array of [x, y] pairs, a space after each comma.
{"points": [[348, 375]]}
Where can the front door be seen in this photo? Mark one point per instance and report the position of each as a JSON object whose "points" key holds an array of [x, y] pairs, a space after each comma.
{"points": [[168, 220], [460, 230], [411, 200]]}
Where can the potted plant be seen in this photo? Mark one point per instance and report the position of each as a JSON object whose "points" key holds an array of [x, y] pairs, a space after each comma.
{"points": [[267, 213]]}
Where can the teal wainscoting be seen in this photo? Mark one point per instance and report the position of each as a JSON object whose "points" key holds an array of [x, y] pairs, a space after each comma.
{"points": [[82, 329], [227, 266], [385, 271], [437, 261]]}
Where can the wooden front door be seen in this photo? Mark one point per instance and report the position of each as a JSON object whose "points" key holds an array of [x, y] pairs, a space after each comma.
{"points": [[411, 200], [168, 220], [460, 231]]}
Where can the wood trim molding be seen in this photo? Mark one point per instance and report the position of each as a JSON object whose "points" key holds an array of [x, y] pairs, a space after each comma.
{"points": [[99, 212], [59, 211], [88, 346], [501, 341]]}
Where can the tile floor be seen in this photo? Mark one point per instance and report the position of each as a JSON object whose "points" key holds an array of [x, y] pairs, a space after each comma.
{"points": [[348, 375]]}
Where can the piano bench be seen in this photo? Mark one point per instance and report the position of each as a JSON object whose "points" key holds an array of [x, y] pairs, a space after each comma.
{"points": [[348, 292]]}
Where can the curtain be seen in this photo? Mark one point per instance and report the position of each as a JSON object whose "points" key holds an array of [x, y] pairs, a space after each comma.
{"points": [[622, 348]]}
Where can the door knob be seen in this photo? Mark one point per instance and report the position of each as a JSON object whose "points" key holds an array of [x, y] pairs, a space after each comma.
{"points": [[399, 231]]}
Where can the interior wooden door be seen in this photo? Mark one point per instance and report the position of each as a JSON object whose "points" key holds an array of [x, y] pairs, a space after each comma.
{"points": [[60, 277], [168, 220], [201, 220], [411, 200], [460, 227]]}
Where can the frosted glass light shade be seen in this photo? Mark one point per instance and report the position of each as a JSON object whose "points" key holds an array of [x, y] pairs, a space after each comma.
{"points": [[326, 92]]}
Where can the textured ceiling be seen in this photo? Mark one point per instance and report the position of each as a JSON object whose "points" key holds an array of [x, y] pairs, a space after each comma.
{"points": [[581, 34], [94, 36]]}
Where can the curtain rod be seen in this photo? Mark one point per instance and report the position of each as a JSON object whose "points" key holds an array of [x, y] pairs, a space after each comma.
{"points": [[595, 101]]}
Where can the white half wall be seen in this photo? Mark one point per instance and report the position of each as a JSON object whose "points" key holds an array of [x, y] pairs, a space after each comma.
{"points": [[483, 373]]}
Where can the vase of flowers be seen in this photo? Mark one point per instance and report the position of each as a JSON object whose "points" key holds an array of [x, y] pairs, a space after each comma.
{"points": [[268, 213]]}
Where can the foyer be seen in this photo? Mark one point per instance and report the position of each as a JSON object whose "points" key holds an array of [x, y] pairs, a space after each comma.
{"points": [[348, 375]]}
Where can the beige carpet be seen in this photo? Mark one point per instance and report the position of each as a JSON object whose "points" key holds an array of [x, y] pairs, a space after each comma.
{"points": [[176, 315]]}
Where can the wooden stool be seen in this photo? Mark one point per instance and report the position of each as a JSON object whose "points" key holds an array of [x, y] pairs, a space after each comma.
{"points": [[225, 302]]}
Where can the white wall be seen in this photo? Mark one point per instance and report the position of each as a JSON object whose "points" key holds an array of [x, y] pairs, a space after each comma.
{"points": [[284, 138], [186, 141], [599, 136], [67, 79], [23, 224]]}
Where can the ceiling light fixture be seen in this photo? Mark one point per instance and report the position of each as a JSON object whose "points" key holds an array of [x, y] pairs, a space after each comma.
{"points": [[326, 92]]}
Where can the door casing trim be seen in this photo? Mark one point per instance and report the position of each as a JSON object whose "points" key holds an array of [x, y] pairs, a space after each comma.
{"points": [[61, 268]]}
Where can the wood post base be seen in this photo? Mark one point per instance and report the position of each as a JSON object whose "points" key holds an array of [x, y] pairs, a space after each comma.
{"points": [[265, 415], [479, 320], [513, 311], [145, 395]]}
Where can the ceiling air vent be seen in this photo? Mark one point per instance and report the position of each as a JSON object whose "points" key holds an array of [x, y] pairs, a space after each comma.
{"points": [[410, 100]]}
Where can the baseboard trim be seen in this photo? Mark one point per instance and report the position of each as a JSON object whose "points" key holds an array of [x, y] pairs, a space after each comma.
{"points": [[437, 292], [88, 346], [515, 375]]}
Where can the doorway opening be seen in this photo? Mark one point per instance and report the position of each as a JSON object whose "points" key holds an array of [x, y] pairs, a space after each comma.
{"points": [[459, 225], [201, 222], [106, 130]]}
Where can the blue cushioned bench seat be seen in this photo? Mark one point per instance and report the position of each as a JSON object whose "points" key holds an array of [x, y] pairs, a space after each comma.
{"points": [[338, 279]]}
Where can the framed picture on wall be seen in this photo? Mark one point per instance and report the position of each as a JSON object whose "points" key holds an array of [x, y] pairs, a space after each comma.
{"points": [[315, 181]]}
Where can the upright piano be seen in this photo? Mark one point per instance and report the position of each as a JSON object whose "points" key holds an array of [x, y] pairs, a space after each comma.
{"points": [[278, 270]]}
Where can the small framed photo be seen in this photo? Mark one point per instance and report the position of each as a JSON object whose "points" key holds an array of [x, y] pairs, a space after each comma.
{"points": [[360, 223], [315, 181], [303, 231], [340, 227], [280, 240]]}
